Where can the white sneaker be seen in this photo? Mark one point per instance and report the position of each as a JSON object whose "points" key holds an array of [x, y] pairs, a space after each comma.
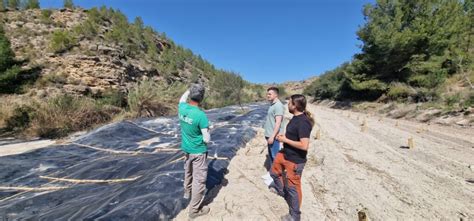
{"points": [[268, 181], [266, 176]]}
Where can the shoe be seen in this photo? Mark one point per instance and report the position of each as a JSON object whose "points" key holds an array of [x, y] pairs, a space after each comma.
{"points": [[287, 217], [201, 212], [266, 176], [187, 195]]}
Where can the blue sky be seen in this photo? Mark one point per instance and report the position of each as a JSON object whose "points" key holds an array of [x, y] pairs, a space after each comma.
{"points": [[265, 41]]}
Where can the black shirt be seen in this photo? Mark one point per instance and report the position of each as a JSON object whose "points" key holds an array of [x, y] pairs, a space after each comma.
{"points": [[298, 127]]}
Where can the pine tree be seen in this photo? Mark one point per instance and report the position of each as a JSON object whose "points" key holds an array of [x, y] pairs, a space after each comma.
{"points": [[32, 4], [6, 53], [68, 4], [13, 4]]}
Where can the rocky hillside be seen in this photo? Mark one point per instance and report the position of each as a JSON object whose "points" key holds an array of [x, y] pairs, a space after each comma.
{"points": [[89, 65], [297, 87], [96, 56]]}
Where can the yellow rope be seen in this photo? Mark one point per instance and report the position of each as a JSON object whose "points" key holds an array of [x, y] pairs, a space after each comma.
{"points": [[218, 158], [90, 181], [157, 150], [31, 188], [145, 128], [112, 151]]}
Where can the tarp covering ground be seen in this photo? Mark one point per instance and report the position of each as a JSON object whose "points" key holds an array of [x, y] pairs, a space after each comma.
{"points": [[130, 170]]}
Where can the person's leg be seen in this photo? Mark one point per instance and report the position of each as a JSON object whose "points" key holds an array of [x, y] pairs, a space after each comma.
{"points": [[188, 176], [199, 181], [275, 148], [270, 153], [293, 194], [276, 173]]}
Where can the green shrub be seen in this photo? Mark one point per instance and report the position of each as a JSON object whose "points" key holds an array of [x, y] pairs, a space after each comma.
{"points": [[20, 119], [112, 97], [13, 4], [148, 99], [9, 80], [469, 101], [425, 95], [61, 41], [63, 114], [400, 92], [87, 29], [225, 89], [6, 53], [54, 78], [68, 4], [32, 4], [46, 16], [430, 80], [452, 100]]}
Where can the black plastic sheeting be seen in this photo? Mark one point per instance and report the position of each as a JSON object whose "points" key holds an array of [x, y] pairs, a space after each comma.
{"points": [[155, 195]]}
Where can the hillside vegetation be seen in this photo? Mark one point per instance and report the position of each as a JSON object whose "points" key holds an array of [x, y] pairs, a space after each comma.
{"points": [[71, 69], [411, 52]]}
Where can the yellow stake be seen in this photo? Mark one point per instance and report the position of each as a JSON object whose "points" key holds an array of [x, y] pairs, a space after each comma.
{"points": [[411, 143], [318, 135]]}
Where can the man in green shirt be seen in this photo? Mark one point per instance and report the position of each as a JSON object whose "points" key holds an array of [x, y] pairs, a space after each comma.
{"points": [[195, 136], [273, 122]]}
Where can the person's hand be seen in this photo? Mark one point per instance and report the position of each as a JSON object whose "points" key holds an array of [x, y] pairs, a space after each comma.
{"points": [[281, 138], [271, 140]]}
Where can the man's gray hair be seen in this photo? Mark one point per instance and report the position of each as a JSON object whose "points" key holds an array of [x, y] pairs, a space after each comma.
{"points": [[196, 92]]}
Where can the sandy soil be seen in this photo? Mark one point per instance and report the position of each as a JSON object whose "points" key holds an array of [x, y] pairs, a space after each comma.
{"points": [[350, 170]]}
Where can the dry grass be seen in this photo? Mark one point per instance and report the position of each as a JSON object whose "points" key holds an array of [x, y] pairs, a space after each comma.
{"points": [[8, 104], [61, 115], [54, 117]]}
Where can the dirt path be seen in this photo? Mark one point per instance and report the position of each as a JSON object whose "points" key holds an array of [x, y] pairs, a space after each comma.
{"points": [[349, 170]]}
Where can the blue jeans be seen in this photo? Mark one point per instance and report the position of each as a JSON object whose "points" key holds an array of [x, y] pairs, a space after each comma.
{"points": [[273, 149]]}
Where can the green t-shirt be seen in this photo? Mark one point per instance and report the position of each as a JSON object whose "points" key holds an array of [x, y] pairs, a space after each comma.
{"points": [[276, 109], [192, 120]]}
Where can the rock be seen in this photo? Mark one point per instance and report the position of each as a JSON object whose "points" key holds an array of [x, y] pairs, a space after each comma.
{"points": [[446, 120], [41, 93], [76, 89], [106, 50], [398, 113], [463, 122], [428, 115]]}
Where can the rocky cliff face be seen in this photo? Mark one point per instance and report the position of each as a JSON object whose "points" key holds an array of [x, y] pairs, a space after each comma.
{"points": [[90, 66]]}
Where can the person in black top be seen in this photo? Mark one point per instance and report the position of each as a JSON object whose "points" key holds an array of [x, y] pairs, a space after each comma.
{"points": [[288, 166]]}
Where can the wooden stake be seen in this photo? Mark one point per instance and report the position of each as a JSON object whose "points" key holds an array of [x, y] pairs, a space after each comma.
{"points": [[364, 126], [411, 143], [318, 135], [362, 215]]}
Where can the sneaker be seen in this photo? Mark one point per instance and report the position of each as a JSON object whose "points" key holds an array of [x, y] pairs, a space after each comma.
{"points": [[287, 217], [203, 211], [187, 195], [266, 176]]}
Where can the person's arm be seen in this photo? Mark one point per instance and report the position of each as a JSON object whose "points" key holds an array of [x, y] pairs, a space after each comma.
{"points": [[279, 112], [184, 97], [303, 144], [206, 136], [204, 126], [304, 132]]}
